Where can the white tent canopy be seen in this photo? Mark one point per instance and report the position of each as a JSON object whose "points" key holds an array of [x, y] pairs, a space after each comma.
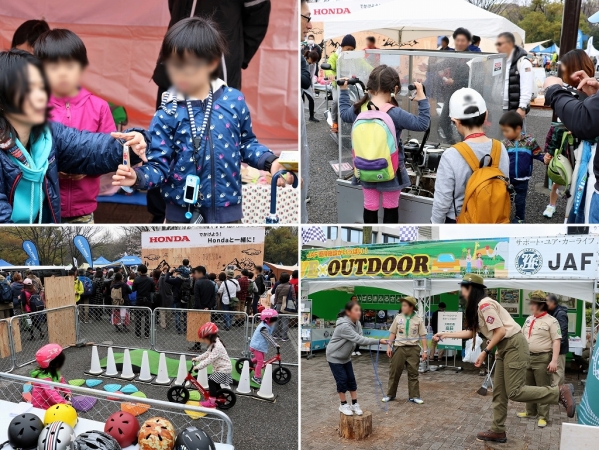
{"points": [[404, 20], [591, 50]]}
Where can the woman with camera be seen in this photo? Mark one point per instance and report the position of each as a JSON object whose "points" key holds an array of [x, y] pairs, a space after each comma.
{"points": [[486, 316]]}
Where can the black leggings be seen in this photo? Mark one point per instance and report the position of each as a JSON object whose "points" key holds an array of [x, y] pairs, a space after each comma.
{"points": [[310, 103], [213, 387]]}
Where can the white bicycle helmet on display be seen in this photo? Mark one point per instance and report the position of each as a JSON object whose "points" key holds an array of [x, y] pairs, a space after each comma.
{"points": [[56, 436]]}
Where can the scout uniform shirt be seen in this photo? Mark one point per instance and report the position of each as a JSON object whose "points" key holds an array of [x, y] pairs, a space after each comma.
{"points": [[540, 332], [415, 331], [492, 315]]}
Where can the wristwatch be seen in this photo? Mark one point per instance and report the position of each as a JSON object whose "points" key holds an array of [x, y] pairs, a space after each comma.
{"points": [[487, 351]]}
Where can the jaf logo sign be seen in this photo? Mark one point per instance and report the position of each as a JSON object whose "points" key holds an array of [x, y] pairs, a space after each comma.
{"points": [[529, 261]]}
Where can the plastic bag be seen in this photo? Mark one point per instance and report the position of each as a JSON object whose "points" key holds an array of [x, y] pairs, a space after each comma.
{"points": [[472, 354]]}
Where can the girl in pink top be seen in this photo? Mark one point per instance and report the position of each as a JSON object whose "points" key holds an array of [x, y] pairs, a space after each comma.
{"points": [[65, 57], [50, 359]]}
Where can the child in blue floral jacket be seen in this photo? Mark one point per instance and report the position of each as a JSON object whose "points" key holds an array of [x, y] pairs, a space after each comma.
{"points": [[202, 128]]}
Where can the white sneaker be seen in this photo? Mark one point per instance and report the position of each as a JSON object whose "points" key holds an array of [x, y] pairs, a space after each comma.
{"points": [[549, 211], [417, 401], [387, 399], [358, 354], [346, 409], [356, 409], [353, 354]]}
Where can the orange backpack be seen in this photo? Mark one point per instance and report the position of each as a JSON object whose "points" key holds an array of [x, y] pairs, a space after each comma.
{"points": [[488, 196]]}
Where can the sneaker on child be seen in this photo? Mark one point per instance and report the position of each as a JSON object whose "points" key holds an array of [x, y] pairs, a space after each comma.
{"points": [[257, 380], [346, 409], [549, 211], [356, 409]]}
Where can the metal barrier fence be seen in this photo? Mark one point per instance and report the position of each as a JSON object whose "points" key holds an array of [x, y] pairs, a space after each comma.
{"points": [[170, 330], [215, 423], [287, 328], [115, 326], [28, 332], [163, 330]]}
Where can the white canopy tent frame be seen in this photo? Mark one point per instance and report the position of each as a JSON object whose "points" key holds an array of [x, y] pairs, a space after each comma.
{"points": [[580, 289], [402, 22]]}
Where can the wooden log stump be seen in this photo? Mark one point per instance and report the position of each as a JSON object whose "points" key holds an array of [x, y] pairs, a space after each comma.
{"points": [[355, 427], [511, 444]]}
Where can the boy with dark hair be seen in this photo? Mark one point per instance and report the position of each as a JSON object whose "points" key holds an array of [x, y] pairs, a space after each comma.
{"points": [[522, 149], [461, 39], [445, 44], [475, 46]]}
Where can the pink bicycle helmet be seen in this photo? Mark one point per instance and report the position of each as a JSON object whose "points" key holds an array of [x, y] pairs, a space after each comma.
{"points": [[267, 315], [45, 355], [207, 329]]}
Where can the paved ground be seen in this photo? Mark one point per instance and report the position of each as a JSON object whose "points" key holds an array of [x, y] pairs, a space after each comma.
{"points": [[256, 424], [323, 205], [449, 419]]}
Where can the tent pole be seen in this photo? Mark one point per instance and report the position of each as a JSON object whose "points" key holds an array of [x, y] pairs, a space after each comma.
{"points": [[570, 24]]}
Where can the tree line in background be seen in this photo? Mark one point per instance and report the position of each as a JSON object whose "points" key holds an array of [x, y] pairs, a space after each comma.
{"points": [[541, 19], [55, 244]]}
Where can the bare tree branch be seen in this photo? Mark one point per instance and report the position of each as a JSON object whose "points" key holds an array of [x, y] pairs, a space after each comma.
{"points": [[494, 6]]}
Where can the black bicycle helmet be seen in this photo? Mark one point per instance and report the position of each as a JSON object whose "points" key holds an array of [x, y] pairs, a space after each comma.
{"points": [[95, 440], [24, 431], [193, 439]]}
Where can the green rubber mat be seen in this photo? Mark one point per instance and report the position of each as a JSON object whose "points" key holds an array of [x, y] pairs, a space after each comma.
{"points": [[172, 364]]}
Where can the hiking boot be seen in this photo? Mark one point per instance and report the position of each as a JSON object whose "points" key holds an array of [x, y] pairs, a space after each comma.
{"points": [[566, 399], [491, 436]]}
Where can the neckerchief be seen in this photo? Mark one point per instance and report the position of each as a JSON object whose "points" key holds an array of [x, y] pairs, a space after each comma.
{"points": [[533, 322]]}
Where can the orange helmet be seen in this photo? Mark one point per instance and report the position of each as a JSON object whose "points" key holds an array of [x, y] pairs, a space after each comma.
{"points": [[207, 329], [157, 433]]}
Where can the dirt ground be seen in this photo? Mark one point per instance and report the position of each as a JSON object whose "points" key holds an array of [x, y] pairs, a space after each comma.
{"points": [[450, 417]]}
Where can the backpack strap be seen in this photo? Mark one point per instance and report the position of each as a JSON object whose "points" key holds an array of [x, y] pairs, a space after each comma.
{"points": [[495, 153], [468, 154]]}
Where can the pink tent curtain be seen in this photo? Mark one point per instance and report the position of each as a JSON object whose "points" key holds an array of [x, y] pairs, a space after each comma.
{"points": [[123, 39]]}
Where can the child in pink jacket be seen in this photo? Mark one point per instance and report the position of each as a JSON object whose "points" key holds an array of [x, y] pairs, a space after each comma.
{"points": [[50, 359], [65, 57]]}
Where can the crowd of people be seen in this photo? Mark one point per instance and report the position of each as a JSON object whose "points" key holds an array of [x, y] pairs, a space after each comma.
{"points": [[506, 165], [183, 287], [56, 139], [529, 359]]}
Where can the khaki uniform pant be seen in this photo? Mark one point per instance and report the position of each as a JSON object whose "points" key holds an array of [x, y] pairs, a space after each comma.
{"points": [[509, 382], [410, 355], [559, 377], [537, 375]]}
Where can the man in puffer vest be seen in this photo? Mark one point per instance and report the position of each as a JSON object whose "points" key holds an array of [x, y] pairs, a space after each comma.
{"points": [[519, 81]]}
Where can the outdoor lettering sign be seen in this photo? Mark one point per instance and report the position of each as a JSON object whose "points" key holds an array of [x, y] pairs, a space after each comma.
{"points": [[450, 322], [214, 248], [570, 257], [426, 259], [553, 257]]}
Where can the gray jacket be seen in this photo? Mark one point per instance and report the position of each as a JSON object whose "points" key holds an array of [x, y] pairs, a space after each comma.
{"points": [[453, 175], [345, 337]]}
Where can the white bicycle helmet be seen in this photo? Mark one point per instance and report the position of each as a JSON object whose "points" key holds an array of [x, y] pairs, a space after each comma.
{"points": [[56, 436], [95, 440]]}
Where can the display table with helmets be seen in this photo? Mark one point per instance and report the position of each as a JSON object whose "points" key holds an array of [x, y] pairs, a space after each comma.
{"points": [[83, 425]]}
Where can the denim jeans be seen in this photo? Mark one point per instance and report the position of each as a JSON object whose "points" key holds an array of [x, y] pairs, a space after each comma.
{"points": [[521, 188], [180, 318], [594, 212], [344, 377], [227, 316]]}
